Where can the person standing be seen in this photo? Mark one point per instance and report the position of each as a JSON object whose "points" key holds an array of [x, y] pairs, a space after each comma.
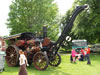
{"points": [[73, 55], [88, 55], [23, 62], [82, 54]]}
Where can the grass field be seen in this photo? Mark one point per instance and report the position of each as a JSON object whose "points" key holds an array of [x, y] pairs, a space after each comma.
{"points": [[65, 68]]}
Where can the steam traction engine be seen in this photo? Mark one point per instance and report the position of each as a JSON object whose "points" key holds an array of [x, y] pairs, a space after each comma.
{"points": [[40, 51]]}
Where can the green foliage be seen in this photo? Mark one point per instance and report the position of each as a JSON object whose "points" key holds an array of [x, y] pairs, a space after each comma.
{"points": [[87, 23], [31, 15]]}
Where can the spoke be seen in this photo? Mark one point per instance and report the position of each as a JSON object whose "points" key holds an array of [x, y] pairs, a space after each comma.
{"points": [[55, 60], [9, 60], [14, 52], [7, 56], [8, 52], [11, 55], [40, 61]]}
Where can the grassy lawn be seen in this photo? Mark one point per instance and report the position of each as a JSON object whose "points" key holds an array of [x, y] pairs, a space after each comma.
{"points": [[65, 68]]}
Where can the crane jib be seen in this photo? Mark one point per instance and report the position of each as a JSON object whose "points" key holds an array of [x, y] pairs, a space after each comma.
{"points": [[68, 27]]}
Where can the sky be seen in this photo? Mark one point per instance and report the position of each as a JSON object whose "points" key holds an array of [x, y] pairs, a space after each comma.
{"points": [[63, 6]]}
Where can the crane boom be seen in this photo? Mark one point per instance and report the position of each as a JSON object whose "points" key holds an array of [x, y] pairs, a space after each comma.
{"points": [[68, 27]]}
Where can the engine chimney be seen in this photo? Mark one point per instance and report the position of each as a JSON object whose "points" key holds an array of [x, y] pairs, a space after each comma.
{"points": [[44, 31]]}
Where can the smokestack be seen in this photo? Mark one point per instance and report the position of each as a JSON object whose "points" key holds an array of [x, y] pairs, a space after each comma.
{"points": [[44, 31]]}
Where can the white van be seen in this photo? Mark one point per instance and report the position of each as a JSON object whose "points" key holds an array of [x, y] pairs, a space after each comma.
{"points": [[95, 47]]}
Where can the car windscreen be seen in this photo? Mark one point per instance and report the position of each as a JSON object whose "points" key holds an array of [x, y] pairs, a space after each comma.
{"points": [[79, 44]]}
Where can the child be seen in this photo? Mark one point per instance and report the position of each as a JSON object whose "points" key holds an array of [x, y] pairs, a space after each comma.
{"points": [[23, 62]]}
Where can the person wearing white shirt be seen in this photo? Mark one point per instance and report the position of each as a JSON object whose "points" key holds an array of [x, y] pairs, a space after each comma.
{"points": [[22, 63]]}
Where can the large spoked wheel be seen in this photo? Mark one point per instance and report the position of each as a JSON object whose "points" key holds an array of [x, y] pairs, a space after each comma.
{"points": [[55, 61], [12, 55], [40, 61]]}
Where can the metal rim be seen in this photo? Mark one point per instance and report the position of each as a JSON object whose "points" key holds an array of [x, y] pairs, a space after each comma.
{"points": [[12, 55], [55, 61], [40, 61]]}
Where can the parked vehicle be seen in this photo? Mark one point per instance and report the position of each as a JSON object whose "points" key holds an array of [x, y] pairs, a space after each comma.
{"points": [[2, 54], [2, 61], [76, 44], [95, 47]]}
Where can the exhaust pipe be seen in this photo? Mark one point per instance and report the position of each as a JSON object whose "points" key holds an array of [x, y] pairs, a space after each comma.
{"points": [[44, 31]]}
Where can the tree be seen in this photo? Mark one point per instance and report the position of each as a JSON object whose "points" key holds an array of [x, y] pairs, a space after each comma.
{"points": [[87, 23], [31, 15]]}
